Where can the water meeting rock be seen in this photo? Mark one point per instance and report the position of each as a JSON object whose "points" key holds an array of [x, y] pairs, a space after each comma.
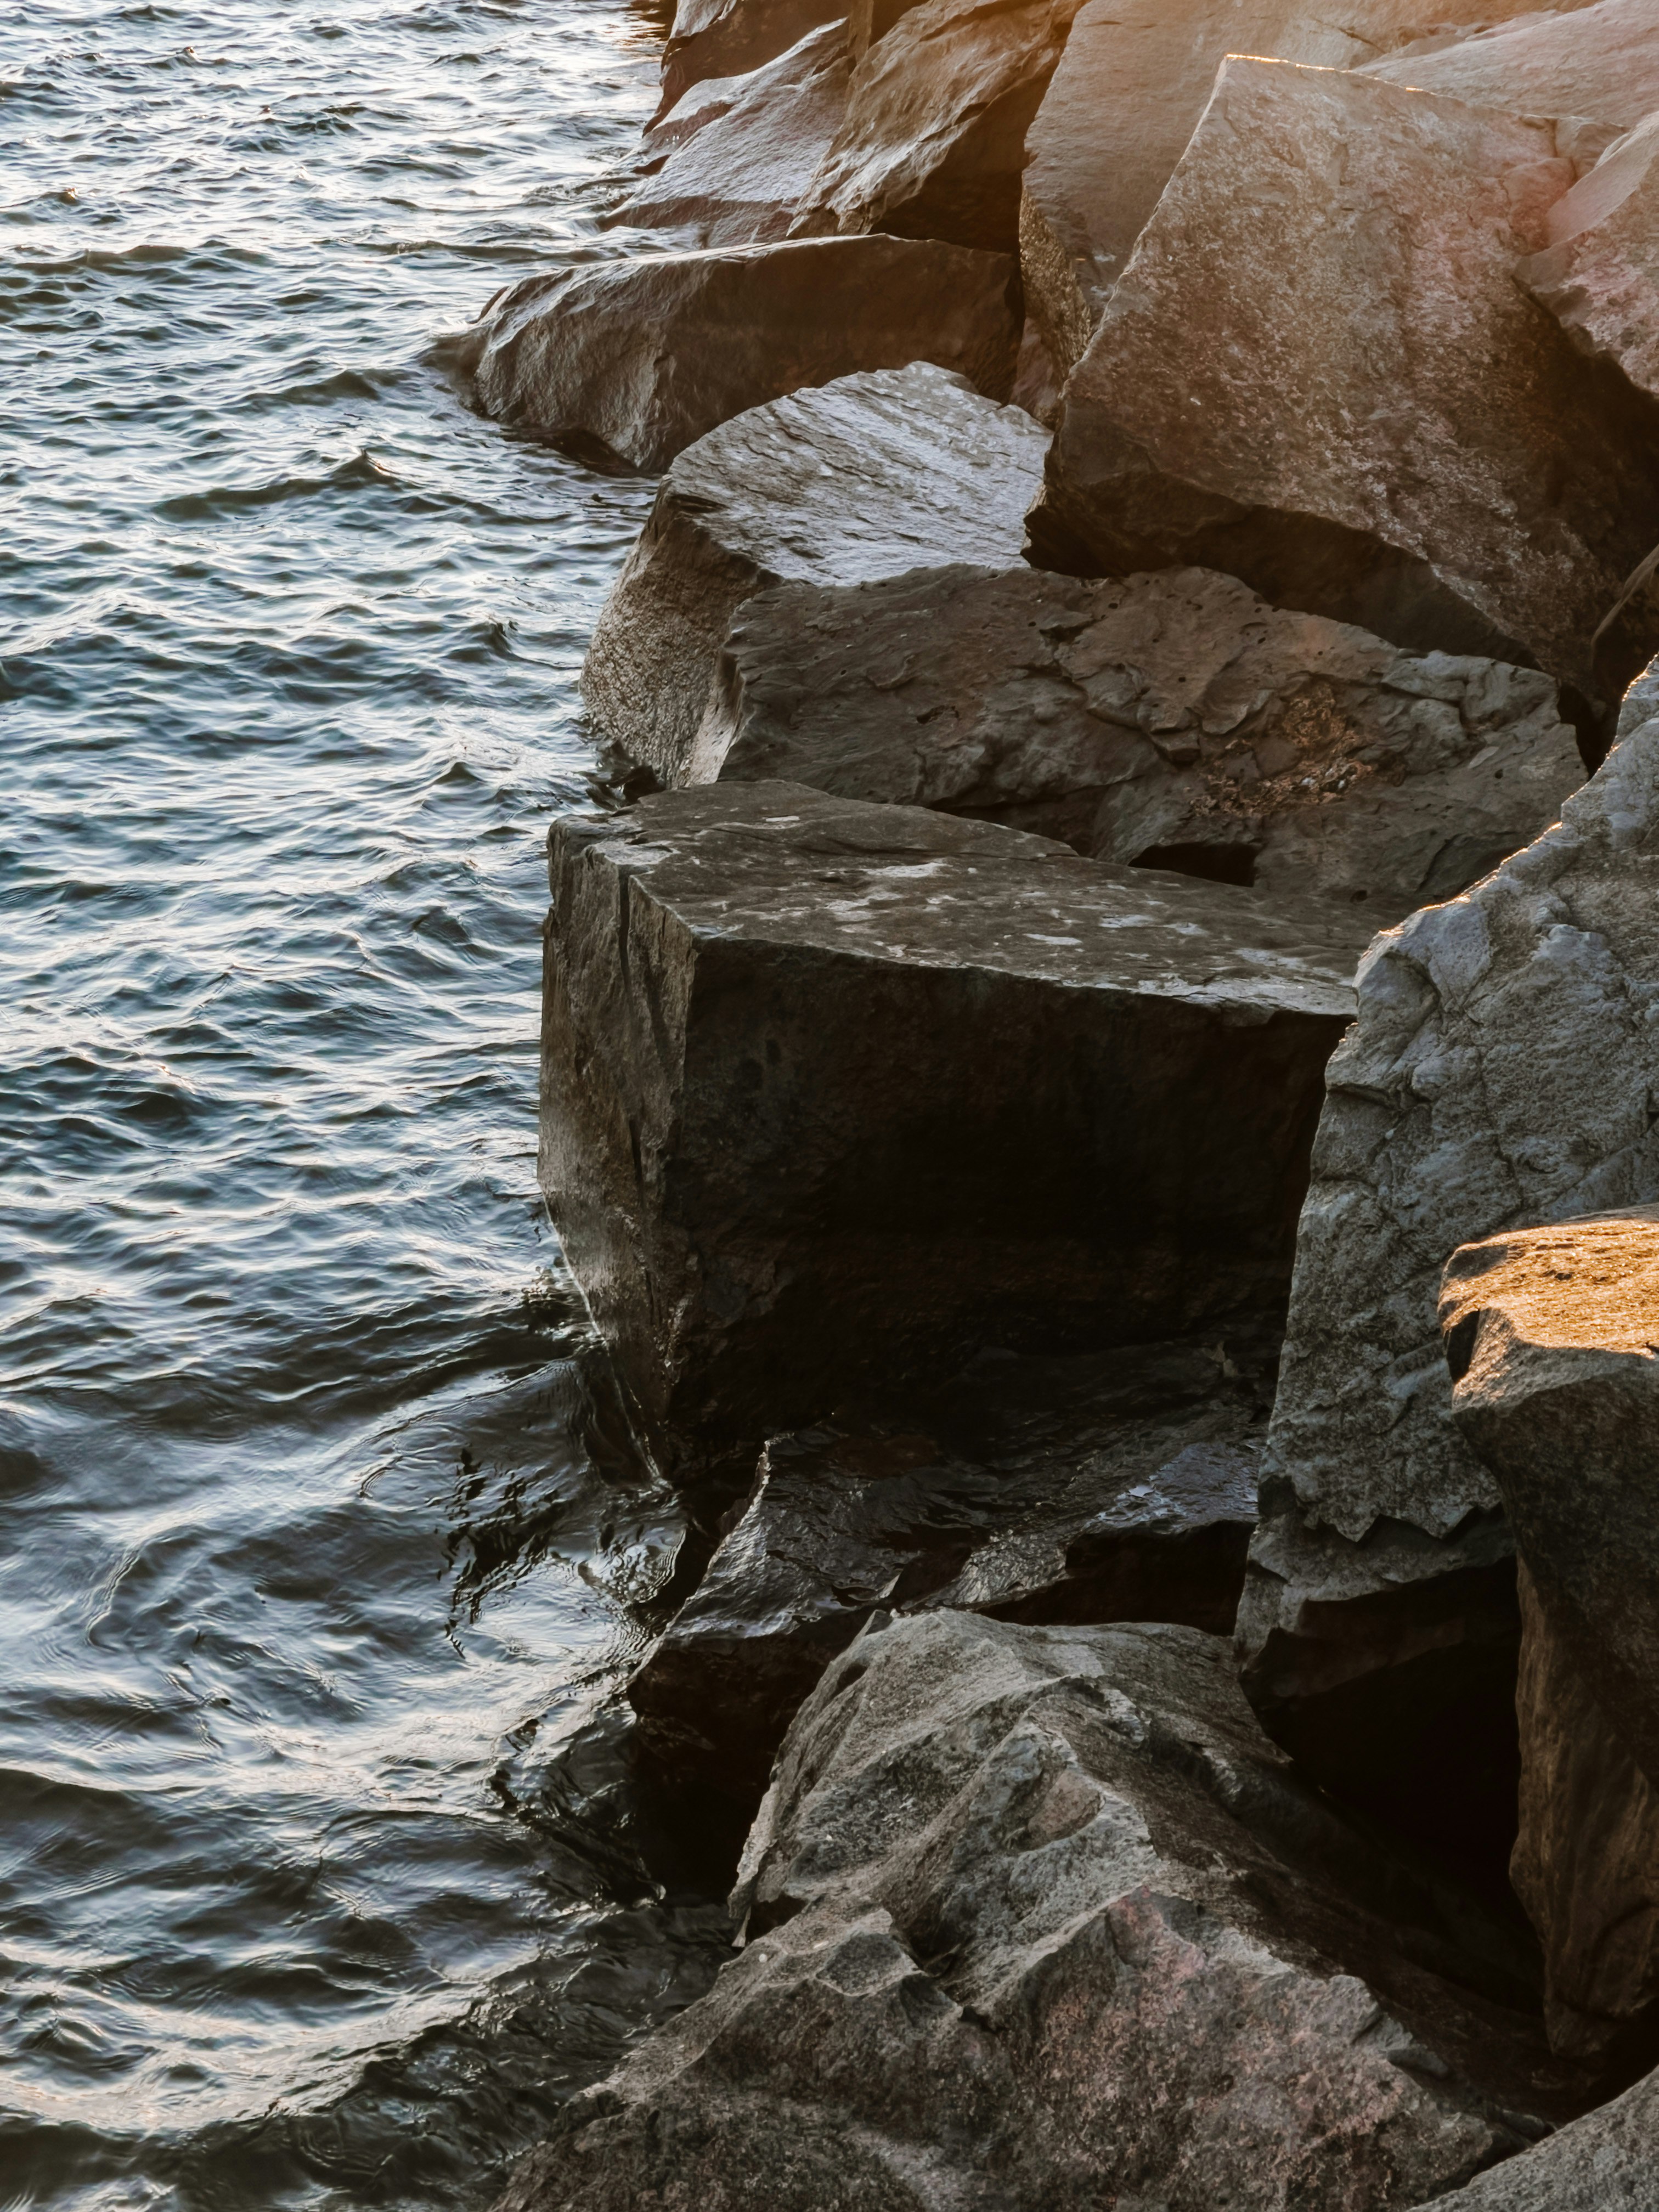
{"points": [[1172, 717], [1319, 373], [1036, 1918], [631, 362], [1502, 1071], [833, 1093], [1599, 275], [867, 476], [1114, 1485]]}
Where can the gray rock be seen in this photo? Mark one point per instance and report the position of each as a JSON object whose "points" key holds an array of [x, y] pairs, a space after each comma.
{"points": [[833, 1094], [932, 142], [867, 476], [1261, 396], [631, 362], [1608, 2161], [1600, 62], [1037, 1921], [731, 37], [1502, 1069], [1116, 1486], [728, 168], [1599, 276], [1172, 717]]}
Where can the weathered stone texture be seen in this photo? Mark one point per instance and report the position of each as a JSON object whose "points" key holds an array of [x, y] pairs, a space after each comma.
{"points": [[1174, 715], [1037, 1920], [867, 476], [631, 362], [731, 37], [1599, 276], [1600, 62], [834, 1092], [1608, 2161], [1281, 386]]}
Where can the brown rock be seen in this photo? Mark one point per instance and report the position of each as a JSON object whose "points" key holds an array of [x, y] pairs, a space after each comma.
{"points": [[1319, 375], [1599, 276], [1172, 720], [631, 362], [731, 38], [1600, 62], [932, 142]]}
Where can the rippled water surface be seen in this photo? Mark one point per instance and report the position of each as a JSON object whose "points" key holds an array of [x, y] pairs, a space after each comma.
{"points": [[318, 1881]]}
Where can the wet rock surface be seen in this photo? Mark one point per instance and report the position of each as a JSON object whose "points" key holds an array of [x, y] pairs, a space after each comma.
{"points": [[1279, 387], [629, 363], [733, 38], [833, 1092], [1599, 276], [1037, 1917], [868, 477], [1171, 719], [1117, 1486]]}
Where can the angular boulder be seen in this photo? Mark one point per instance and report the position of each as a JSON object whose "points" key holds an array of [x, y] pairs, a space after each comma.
{"points": [[1298, 379], [729, 169], [932, 142], [733, 38], [1599, 276], [631, 362], [867, 476], [1115, 1486], [1607, 2162], [1600, 62], [1036, 1919], [1171, 719], [832, 1094], [1502, 1069]]}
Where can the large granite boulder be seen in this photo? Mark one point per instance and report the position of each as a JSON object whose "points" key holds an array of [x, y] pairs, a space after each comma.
{"points": [[630, 361], [1551, 1337], [728, 164], [932, 142], [867, 476], [1600, 62], [1319, 373], [1599, 275], [833, 1093], [1171, 719], [1036, 1920], [733, 38], [1607, 2162], [1502, 1070], [1113, 1486]]}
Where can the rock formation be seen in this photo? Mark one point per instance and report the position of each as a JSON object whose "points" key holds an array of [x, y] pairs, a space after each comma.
{"points": [[731, 37], [1599, 275], [865, 477], [1280, 386], [1600, 62], [831, 1093], [631, 362], [1036, 1918], [1601, 2163], [1502, 1070], [1173, 718]]}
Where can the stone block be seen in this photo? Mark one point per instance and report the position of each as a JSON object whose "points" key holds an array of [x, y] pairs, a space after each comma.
{"points": [[1607, 2161], [1600, 62], [733, 38], [1599, 275]]}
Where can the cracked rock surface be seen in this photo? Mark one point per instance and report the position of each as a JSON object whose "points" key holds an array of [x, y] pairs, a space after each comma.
{"points": [[1603, 2162], [1599, 275]]}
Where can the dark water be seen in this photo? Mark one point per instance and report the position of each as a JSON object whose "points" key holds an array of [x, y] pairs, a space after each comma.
{"points": [[320, 1550]]}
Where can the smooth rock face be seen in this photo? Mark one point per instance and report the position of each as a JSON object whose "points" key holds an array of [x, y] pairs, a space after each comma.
{"points": [[1501, 1070], [729, 169], [1282, 386], [1116, 1486], [833, 1093], [1037, 1921], [932, 142], [1599, 276], [1174, 716], [1600, 62], [868, 477], [632, 362], [1608, 2161], [731, 38]]}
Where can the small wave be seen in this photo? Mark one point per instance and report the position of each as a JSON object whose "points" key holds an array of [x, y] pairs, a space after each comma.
{"points": [[361, 472]]}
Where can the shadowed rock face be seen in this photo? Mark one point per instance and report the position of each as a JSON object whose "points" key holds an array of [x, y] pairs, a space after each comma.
{"points": [[865, 477], [1502, 1069], [932, 142], [1599, 276], [1037, 1919], [1601, 2163], [1280, 386], [731, 38], [632, 362], [1171, 719], [1116, 1486], [1600, 62], [832, 1093]]}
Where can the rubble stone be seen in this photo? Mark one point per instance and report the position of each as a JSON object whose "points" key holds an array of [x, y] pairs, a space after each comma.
{"points": [[1600, 62], [1603, 2162], [731, 37]]}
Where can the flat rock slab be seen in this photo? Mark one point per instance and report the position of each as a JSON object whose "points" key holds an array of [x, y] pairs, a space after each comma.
{"points": [[1599, 276], [1037, 1919], [1607, 2162], [1600, 62], [1115, 1486], [932, 142], [631, 362], [1297, 381], [1501, 1070], [867, 476], [1173, 720], [832, 1094], [729, 163]]}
